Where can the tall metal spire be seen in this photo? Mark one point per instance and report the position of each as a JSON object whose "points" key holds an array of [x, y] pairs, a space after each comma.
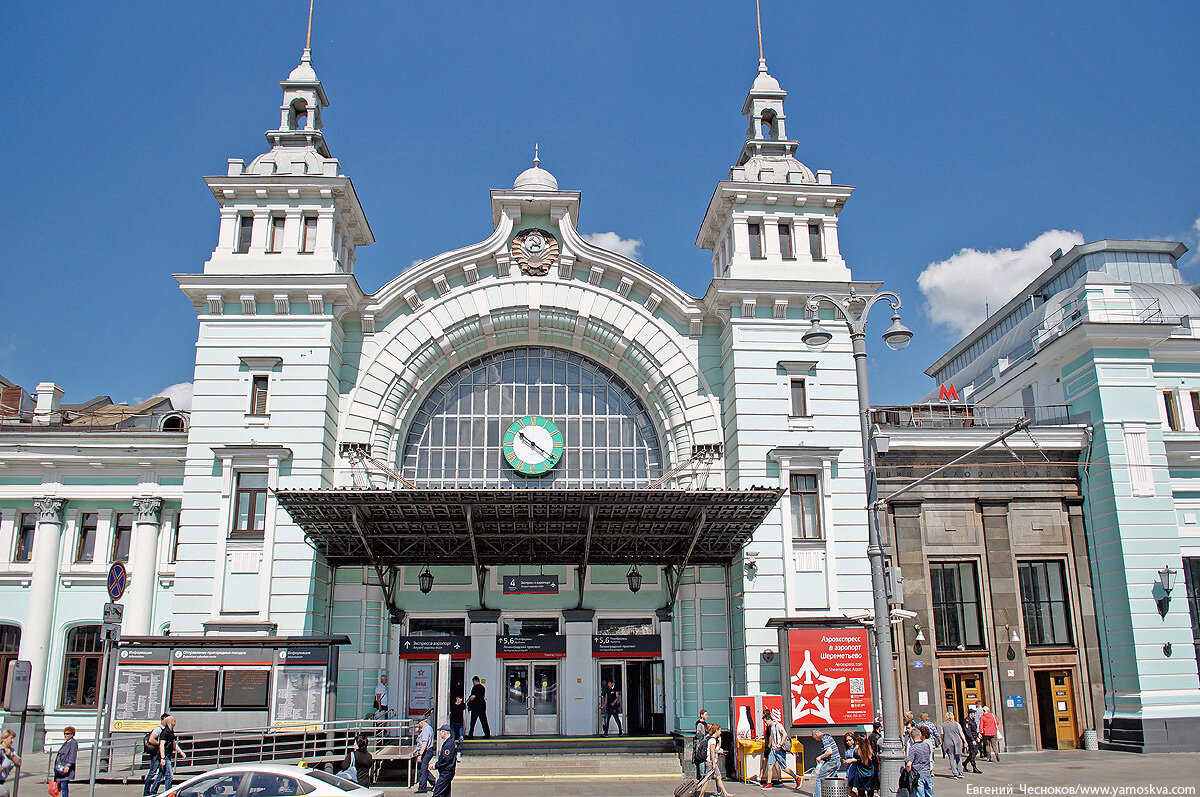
{"points": [[536, 160], [308, 38], [757, 18]]}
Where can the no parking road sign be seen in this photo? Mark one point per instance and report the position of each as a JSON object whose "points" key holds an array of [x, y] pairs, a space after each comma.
{"points": [[117, 577]]}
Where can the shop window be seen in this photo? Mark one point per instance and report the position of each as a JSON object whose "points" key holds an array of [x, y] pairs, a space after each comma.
{"points": [[27, 526], [275, 240], [756, 248], [308, 240], [1191, 580], [10, 647], [435, 626], [122, 535], [799, 396], [85, 544], [806, 514], [814, 241], [785, 241], [628, 627], [245, 231], [81, 667], [957, 614], [530, 626], [1044, 604], [1172, 410], [250, 502]]}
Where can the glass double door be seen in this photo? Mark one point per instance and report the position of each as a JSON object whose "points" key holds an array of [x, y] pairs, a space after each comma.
{"points": [[530, 698]]}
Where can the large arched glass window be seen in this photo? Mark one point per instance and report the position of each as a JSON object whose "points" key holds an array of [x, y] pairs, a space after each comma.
{"points": [[81, 667], [456, 438]]}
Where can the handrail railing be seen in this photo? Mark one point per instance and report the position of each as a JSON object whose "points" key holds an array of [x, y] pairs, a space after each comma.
{"points": [[943, 415], [123, 757]]}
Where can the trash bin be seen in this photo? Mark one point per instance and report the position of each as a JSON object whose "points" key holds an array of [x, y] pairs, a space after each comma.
{"points": [[1091, 740], [834, 787]]}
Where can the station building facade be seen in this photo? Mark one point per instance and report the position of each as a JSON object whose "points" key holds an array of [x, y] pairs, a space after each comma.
{"points": [[570, 423]]}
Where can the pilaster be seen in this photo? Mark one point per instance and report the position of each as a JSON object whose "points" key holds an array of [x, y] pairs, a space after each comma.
{"points": [[39, 627]]}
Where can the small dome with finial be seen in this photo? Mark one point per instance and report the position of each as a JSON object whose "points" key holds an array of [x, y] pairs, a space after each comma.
{"points": [[763, 81], [304, 71], [535, 178]]}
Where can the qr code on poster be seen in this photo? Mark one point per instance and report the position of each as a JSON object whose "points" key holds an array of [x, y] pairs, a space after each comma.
{"points": [[857, 687]]}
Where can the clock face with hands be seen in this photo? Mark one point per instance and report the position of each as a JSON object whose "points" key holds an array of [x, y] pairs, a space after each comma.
{"points": [[532, 445]]}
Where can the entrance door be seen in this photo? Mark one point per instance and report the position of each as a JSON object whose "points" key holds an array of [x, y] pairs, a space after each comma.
{"points": [[1056, 710], [530, 699], [963, 690], [611, 673]]}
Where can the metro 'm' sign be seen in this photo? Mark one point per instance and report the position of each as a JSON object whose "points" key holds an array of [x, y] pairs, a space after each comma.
{"points": [[947, 392]]}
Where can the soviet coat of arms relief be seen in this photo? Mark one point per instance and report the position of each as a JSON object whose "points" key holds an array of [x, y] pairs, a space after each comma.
{"points": [[535, 251]]}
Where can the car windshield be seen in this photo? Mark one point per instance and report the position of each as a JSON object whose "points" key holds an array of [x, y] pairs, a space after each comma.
{"points": [[332, 780]]}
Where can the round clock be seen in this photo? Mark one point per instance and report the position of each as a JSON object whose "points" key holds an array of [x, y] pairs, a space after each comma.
{"points": [[532, 445]]}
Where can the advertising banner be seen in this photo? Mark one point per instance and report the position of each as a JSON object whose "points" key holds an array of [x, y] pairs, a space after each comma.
{"points": [[830, 676], [420, 688]]}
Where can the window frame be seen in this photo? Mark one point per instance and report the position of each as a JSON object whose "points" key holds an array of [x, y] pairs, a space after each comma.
{"points": [[800, 530], [816, 241], [1029, 565], [308, 234], [1191, 588], [276, 230], [81, 522], [941, 626], [255, 495], [19, 535], [260, 395], [117, 530], [754, 238], [245, 234], [1171, 410], [803, 396], [787, 248], [82, 657]]}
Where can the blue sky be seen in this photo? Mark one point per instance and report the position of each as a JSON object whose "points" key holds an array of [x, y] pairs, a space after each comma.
{"points": [[963, 126]]}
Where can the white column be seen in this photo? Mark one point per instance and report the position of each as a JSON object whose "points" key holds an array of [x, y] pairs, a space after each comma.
{"points": [[577, 687], [482, 626], [829, 238], [36, 636], [391, 663], [143, 567]]}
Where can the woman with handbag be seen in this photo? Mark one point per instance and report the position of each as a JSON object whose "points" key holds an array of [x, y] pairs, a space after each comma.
{"points": [[64, 762]]}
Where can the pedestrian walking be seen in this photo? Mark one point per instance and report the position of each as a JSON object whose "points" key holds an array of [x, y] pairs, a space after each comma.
{"points": [[989, 730], [457, 711], [954, 744], [777, 741], [425, 750], [865, 781], [357, 764], [382, 698], [828, 762], [971, 732], [163, 747], [612, 707], [716, 761], [928, 725], [64, 761], [447, 760], [10, 762], [477, 705], [919, 762], [700, 745]]}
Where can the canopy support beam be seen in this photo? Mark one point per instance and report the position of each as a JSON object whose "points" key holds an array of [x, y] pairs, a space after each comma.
{"points": [[387, 585], [696, 531], [587, 549], [480, 570]]}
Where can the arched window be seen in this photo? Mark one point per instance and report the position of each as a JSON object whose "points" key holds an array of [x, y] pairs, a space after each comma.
{"points": [[299, 114], [10, 648], [457, 436], [174, 423], [81, 667], [770, 127]]}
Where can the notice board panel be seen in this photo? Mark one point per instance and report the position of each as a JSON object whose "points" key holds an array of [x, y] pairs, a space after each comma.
{"points": [[140, 698], [245, 689], [299, 698], [193, 688]]}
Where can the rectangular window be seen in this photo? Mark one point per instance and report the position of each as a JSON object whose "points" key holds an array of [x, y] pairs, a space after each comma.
{"points": [[10, 647], [308, 242], [1137, 455], [173, 549], [1172, 410], [1191, 581], [755, 231], [81, 667], [258, 394], [85, 546], [244, 233], [785, 241], [122, 534], [957, 614], [531, 626], [814, 241], [1044, 605], [27, 525], [806, 515], [251, 503], [275, 244], [799, 399]]}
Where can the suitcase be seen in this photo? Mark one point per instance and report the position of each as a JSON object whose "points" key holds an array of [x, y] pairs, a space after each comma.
{"points": [[690, 787]]}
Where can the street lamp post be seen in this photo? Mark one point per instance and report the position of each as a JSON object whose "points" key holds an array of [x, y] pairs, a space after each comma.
{"points": [[853, 310]]}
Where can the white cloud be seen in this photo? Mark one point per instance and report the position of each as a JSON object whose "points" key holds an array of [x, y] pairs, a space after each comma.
{"points": [[957, 288], [614, 243], [180, 395]]}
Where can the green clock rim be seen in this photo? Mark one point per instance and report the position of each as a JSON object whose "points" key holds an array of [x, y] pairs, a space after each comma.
{"points": [[525, 468]]}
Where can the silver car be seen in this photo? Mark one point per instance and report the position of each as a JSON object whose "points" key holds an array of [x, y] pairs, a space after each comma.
{"points": [[269, 780]]}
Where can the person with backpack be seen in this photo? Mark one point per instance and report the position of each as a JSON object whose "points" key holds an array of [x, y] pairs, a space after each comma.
{"points": [[715, 756], [356, 766], [163, 749], [700, 745], [777, 742]]}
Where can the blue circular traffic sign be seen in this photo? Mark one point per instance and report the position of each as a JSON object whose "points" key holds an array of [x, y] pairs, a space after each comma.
{"points": [[117, 576]]}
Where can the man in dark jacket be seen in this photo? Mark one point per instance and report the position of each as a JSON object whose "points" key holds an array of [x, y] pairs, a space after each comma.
{"points": [[477, 705], [447, 760]]}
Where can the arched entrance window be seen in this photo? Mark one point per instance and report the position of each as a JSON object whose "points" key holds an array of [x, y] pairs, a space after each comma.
{"points": [[10, 648], [81, 667], [456, 437]]}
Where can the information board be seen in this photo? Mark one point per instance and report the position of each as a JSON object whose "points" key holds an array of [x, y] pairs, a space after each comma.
{"points": [[140, 698], [531, 585], [299, 698], [430, 647], [193, 688], [539, 646], [245, 689], [626, 646], [830, 676]]}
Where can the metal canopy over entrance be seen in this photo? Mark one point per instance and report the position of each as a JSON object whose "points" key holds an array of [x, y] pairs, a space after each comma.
{"points": [[484, 528]]}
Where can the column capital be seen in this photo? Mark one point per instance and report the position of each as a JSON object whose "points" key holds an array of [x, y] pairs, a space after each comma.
{"points": [[149, 510], [50, 510]]}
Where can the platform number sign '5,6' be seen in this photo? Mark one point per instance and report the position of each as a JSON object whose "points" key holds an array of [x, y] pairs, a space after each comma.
{"points": [[118, 576]]}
